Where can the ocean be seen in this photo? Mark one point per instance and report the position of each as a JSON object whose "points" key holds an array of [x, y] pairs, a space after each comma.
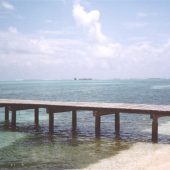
{"points": [[27, 148]]}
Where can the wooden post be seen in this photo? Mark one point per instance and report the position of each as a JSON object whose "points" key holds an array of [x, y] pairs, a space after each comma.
{"points": [[117, 123], [74, 120], [51, 122], [154, 128], [97, 125], [13, 121], [36, 117], [6, 116]]}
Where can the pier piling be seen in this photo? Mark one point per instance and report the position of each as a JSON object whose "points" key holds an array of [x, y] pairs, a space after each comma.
{"points": [[97, 125], [74, 120], [13, 120], [6, 116], [36, 117], [51, 122], [117, 123], [154, 128]]}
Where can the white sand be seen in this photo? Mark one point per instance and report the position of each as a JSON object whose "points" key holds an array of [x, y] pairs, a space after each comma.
{"points": [[141, 156]]}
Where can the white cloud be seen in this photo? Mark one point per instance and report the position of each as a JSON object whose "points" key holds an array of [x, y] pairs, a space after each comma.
{"points": [[15, 44], [49, 21], [142, 14], [7, 5], [12, 29], [90, 21], [66, 58], [109, 50], [48, 33], [135, 24], [117, 60]]}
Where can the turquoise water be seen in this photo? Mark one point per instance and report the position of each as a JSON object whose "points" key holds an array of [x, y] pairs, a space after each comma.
{"points": [[27, 148]]}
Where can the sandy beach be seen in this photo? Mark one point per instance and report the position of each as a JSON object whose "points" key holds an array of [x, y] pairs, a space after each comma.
{"points": [[141, 156]]}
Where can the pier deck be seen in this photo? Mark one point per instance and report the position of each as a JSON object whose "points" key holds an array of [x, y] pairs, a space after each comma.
{"points": [[98, 110]]}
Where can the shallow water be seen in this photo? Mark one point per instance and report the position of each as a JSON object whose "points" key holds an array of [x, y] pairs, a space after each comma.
{"points": [[28, 148]]}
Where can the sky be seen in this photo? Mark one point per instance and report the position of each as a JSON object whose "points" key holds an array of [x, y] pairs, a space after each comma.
{"points": [[99, 39]]}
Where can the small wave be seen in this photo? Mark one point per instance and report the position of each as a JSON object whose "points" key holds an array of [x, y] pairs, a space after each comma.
{"points": [[160, 87]]}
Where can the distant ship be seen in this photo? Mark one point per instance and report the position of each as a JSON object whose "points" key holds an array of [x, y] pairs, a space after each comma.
{"points": [[83, 78]]}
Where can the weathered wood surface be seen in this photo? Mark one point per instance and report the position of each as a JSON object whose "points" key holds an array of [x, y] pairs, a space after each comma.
{"points": [[162, 110]]}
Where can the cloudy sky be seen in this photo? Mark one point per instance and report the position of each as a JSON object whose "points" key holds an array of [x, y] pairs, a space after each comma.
{"points": [[100, 39]]}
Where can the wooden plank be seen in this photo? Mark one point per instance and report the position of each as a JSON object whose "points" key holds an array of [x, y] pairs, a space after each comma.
{"points": [[20, 107], [58, 109], [154, 128], [74, 120], [117, 123], [119, 107], [103, 112]]}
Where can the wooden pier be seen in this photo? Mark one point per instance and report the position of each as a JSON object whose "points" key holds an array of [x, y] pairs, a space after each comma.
{"points": [[98, 110]]}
